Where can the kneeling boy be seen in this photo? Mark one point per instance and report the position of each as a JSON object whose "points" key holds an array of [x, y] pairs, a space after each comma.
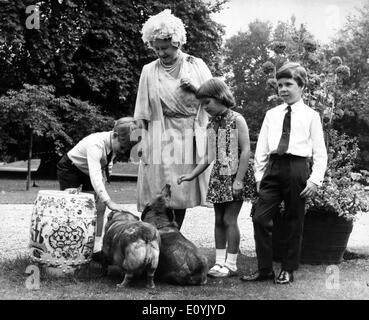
{"points": [[85, 163]]}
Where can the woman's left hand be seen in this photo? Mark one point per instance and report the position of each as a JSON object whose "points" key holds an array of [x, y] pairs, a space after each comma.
{"points": [[237, 188]]}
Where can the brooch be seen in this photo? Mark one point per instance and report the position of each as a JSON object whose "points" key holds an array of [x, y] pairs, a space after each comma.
{"points": [[190, 59]]}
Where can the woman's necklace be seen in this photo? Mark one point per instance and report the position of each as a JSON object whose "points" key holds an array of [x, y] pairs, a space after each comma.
{"points": [[172, 67]]}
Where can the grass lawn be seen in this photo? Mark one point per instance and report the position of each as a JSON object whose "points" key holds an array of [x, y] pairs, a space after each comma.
{"points": [[349, 280], [13, 187], [346, 282], [13, 191]]}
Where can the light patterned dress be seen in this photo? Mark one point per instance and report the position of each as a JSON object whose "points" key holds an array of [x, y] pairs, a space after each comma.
{"points": [[223, 137], [176, 135]]}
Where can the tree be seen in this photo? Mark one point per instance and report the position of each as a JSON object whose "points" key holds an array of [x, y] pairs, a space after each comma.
{"points": [[202, 31], [91, 53], [330, 90], [288, 39], [253, 57], [25, 114], [36, 122], [352, 45], [244, 56], [328, 78], [39, 55], [113, 43], [92, 49]]}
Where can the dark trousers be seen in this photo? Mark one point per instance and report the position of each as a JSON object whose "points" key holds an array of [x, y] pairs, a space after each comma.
{"points": [[69, 176], [284, 180]]}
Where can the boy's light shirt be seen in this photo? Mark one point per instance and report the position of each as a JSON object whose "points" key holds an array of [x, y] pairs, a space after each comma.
{"points": [[306, 139], [90, 156]]}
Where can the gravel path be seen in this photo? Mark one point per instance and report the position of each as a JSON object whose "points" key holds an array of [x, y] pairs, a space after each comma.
{"points": [[198, 227]]}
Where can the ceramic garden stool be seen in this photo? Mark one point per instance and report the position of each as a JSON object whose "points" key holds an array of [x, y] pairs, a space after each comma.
{"points": [[62, 230]]}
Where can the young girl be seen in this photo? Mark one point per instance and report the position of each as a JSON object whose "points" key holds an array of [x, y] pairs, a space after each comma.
{"points": [[231, 182]]}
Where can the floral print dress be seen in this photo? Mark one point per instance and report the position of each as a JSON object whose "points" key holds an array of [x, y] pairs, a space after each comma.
{"points": [[223, 138]]}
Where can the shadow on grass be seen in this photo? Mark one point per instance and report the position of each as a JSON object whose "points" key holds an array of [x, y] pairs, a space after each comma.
{"points": [[352, 255], [15, 271], [88, 283]]}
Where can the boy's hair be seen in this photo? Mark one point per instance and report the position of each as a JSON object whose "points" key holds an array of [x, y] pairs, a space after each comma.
{"points": [[123, 127], [217, 89], [293, 70]]}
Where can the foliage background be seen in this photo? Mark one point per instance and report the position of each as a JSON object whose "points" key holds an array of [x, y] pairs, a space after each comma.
{"points": [[248, 53], [89, 55]]}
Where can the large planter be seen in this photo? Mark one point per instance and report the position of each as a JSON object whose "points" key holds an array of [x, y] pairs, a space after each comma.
{"points": [[325, 238]]}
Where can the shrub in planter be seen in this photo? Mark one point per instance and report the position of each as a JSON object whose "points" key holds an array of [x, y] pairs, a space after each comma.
{"points": [[342, 193]]}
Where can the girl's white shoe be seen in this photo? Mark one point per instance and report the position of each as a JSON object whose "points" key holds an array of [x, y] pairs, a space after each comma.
{"points": [[225, 272], [215, 270]]}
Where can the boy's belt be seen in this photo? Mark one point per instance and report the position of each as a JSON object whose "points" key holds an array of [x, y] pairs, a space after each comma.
{"points": [[276, 156]]}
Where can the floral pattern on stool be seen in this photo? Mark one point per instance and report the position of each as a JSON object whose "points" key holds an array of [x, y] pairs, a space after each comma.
{"points": [[62, 230]]}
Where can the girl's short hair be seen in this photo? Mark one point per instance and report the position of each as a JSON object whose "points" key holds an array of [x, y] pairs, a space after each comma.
{"points": [[293, 70], [164, 26], [217, 89]]}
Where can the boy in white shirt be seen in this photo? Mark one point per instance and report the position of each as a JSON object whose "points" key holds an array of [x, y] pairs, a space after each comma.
{"points": [[290, 134], [85, 163]]}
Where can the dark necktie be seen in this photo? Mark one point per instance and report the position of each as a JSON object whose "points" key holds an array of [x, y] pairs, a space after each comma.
{"points": [[285, 137], [108, 160]]}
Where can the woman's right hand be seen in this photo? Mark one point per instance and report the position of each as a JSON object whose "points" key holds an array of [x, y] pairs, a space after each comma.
{"points": [[184, 177]]}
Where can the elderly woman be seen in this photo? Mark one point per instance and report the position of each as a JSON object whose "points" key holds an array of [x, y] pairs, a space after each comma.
{"points": [[167, 108]]}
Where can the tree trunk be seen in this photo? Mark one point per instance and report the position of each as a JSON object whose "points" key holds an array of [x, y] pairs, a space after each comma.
{"points": [[30, 146]]}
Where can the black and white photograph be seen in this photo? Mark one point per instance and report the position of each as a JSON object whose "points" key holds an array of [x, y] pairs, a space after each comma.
{"points": [[184, 154]]}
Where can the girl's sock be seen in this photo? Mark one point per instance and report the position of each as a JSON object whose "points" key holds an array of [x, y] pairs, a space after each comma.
{"points": [[231, 261], [220, 256]]}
